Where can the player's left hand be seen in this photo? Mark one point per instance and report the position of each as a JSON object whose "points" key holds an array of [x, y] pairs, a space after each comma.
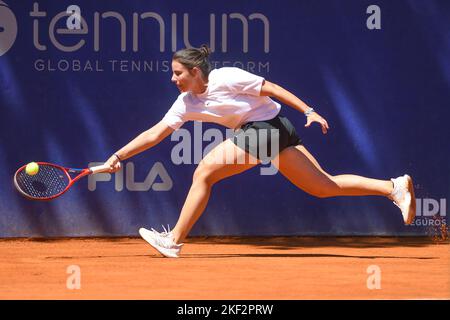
{"points": [[315, 117]]}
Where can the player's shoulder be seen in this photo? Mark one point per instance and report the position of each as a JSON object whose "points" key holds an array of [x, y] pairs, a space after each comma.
{"points": [[228, 76], [181, 100], [183, 95], [225, 70], [231, 74]]}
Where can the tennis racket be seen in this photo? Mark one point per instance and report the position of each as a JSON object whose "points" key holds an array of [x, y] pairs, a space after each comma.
{"points": [[51, 181]]}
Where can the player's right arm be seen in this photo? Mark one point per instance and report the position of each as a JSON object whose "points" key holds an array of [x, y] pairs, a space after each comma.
{"points": [[142, 142]]}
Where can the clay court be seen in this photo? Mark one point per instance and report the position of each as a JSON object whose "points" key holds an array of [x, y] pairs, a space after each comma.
{"points": [[227, 268]]}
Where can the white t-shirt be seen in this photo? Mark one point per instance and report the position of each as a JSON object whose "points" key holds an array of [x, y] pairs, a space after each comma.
{"points": [[231, 99]]}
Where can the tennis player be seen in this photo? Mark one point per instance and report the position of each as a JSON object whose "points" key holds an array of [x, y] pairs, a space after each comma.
{"points": [[243, 101]]}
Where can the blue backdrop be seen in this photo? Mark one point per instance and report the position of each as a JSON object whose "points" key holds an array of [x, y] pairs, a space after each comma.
{"points": [[380, 77]]}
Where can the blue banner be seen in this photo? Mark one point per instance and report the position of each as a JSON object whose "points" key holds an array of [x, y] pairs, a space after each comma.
{"points": [[73, 91]]}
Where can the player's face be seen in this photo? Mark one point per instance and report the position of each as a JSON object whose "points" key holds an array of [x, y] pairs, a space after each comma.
{"points": [[182, 77]]}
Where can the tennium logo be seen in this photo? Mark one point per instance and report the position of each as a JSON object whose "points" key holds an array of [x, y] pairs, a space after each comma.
{"points": [[74, 28], [8, 28]]}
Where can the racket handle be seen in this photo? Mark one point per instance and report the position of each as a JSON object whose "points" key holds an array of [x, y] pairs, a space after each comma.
{"points": [[99, 169]]}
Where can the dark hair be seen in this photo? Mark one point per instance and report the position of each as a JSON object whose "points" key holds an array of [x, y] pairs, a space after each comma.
{"points": [[195, 57]]}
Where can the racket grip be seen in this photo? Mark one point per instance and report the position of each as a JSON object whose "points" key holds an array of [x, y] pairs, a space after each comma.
{"points": [[99, 169]]}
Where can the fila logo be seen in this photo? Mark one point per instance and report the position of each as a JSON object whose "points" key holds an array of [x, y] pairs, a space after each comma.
{"points": [[8, 28], [157, 172]]}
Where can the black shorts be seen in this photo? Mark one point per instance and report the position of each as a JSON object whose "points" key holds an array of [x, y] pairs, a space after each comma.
{"points": [[266, 139]]}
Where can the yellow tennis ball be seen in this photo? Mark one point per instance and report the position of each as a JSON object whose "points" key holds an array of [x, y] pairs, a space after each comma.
{"points": [[32, 168]]}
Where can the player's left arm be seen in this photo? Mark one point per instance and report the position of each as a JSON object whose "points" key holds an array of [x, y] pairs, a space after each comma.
{"points": [[273, 90]]}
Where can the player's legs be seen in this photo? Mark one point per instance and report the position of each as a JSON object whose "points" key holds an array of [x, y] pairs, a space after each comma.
{"points": [[225, 160], [302, 169]]}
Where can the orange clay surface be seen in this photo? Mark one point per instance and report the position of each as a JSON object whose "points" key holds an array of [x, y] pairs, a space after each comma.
{"points": [[212, 268]]}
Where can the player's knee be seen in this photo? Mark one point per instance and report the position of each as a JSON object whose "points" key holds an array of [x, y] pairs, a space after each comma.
{"points": [[204, 174], [325, 192], [322, 195], [328, 188]]}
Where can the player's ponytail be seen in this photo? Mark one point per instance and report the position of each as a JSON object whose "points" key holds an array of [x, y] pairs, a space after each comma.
{"points": [[205, 50], [195, 57]]}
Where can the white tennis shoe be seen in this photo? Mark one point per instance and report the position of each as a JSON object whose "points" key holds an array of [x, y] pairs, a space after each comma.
{"points": [[162, 241], [403, 197]]}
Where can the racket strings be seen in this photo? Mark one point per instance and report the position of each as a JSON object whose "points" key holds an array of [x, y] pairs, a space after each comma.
{"points": [[48, 182]]}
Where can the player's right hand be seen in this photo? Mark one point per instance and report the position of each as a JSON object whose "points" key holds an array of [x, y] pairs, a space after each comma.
{"points": [[114, 164]]}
